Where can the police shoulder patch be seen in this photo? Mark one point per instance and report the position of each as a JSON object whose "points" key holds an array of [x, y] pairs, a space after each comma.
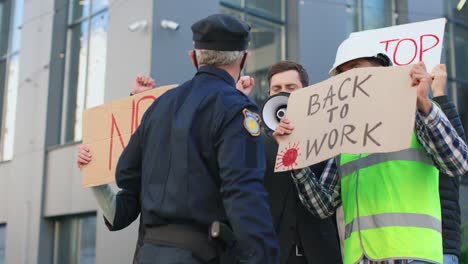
{"points": [[251, 122]]}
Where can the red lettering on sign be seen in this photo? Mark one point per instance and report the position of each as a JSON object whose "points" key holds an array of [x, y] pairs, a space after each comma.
{"points": [[387, 42], [396, 51], [419, 48], [114, 125], [134, 123], [422, 50]]}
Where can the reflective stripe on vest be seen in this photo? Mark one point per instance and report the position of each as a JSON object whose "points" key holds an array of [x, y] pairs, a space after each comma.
{"points": [[418, 155], [393, 219]]}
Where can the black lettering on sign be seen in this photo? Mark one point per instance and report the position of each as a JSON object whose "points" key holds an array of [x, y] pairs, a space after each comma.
{"points": [[367, 132], [344, 111], [332, 142], [341, 87], [330, 111], [314, 146], [330, 96], [313, 98], [347, 129], [358, 85]]}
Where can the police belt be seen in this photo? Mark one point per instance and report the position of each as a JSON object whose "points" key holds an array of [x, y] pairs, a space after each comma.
{"points": [[185, 237]]}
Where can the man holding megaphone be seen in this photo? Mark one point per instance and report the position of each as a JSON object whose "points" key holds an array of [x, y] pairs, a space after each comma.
{"points": [[303, 238]]}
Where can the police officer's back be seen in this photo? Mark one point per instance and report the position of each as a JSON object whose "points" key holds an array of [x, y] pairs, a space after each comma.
{"points": [[197, 157]]}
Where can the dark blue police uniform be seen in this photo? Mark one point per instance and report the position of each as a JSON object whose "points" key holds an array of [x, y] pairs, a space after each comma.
{"points": [[196, 158]]}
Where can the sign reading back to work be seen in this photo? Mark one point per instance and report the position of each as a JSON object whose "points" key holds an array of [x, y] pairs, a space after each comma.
{"points": [[409, 43], [365, 110], [107, 129]]}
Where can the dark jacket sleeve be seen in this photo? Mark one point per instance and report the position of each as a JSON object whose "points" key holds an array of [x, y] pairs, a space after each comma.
{"points": [[241, 161], [128, 179], [447, 106]]}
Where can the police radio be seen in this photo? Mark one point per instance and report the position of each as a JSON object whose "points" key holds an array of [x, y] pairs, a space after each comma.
{"points": [[274, 109]]}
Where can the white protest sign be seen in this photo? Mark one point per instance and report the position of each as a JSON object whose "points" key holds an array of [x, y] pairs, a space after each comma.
{"points": [[365, 110], [409, 43]]}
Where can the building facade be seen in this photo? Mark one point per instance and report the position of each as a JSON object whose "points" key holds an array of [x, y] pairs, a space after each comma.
{"points": [[59, 57]]}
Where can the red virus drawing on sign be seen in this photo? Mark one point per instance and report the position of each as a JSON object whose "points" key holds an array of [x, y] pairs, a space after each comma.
{"points": [[287, 157]]}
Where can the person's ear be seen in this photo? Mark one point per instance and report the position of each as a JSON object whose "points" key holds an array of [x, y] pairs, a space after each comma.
{"points": [[193, 59], [244, 59], [247, 56]]}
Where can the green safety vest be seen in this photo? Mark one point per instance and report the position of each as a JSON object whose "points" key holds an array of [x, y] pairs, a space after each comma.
{"points": [[391, 206]]}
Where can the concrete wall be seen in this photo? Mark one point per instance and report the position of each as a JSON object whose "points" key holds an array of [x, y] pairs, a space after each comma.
{"points": [[4, 172], [128, 53], [64, 193], [25, 180], [170, 62], [38, 185]]}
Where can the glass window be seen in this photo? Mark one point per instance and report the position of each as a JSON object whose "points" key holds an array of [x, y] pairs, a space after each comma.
{"points": [[2, 243], [10, 40], [267, 7], [456, 47], [370, 14], [237, 3], [267, 41], [4, 37], [460, 36], [87, 42], [377, 14], [75, 240], [353, 13], [4, 26], [265, 50]]}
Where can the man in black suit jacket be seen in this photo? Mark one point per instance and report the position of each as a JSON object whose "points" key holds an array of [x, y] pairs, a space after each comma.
{"points": [[302, 237]]}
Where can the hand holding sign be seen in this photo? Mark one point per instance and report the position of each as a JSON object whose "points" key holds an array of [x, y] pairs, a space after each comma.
{"points": [[84, 156], [439, 80], [421, 78], [143, 83]]}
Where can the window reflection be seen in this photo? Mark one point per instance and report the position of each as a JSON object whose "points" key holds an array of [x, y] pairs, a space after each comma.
{"points": [[267, 7], [267, 37], [77, 77], [78, 9], [11, 16], [86, 61], [265, 50], [376, 14], [75, 240], [369, 14]]}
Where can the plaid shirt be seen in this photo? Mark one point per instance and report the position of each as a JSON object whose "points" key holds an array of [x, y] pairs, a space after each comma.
{"points": [[434, 133]]}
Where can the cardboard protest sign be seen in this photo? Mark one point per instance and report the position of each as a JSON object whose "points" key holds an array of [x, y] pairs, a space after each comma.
{"points": [[107, 129], [365, 110], [409, 43]]}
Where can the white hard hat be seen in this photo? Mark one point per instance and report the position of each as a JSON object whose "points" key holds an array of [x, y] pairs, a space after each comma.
{"points": [[355, 48]]}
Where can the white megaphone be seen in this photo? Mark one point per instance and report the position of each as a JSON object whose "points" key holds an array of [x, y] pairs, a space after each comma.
{"points": [[274, 109]]}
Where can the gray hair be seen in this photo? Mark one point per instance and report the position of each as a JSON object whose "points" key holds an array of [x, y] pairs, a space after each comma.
{"points": [[216, 57]]}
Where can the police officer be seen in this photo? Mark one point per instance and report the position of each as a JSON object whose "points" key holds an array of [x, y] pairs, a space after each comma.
{"points": [[198, 157]]}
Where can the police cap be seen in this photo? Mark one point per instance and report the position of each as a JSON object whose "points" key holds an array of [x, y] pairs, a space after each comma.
{"points": [[221, 32]]}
